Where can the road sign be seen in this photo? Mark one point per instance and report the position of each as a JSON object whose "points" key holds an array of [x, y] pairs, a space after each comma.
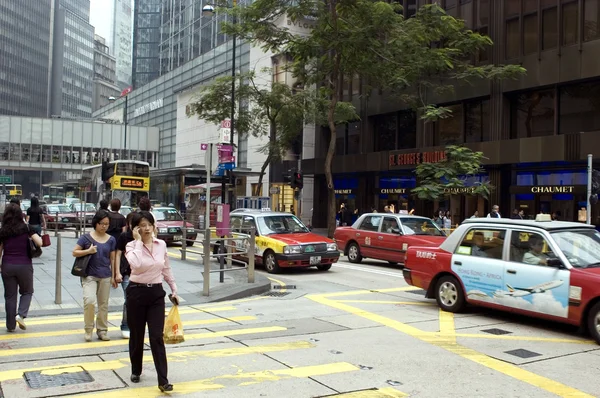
{"points": [[219, 172], [203, 147], [5, 179]]}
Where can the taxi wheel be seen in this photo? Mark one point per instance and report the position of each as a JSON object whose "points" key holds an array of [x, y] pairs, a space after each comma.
{"points": [[354, 253], [270, 263], [594, 322], [324, 267], [449, 294]]}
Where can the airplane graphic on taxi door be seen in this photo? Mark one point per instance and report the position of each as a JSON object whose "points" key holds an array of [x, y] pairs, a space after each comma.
{"points": [[521, 292]]}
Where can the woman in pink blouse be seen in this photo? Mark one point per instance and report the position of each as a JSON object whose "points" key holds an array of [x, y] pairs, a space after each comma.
{"points": [[147, 257]]}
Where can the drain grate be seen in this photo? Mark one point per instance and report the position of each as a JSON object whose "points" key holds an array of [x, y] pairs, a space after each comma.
{"points": [[522, 353], [283, 286], [420, 292], [56, 378], [496, 331], [276, 294]]}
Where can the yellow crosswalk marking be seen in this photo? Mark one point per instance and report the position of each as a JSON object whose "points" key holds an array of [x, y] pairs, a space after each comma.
{"points": [[172, 357], [242, 379], [81, 331], [376, 393], [115, 316], [178, 256], [120, 342]]}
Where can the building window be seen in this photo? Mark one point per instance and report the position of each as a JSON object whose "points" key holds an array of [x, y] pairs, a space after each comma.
{"points": [[532, 114], [579, 108], [530, 33], [466, 13], [512, 38], [477, 120], [482, 20], [570, 23], [407, 129], [384, 128], [353, 138], [549, 27], [340, 140], [591, 15], [449, 131]]}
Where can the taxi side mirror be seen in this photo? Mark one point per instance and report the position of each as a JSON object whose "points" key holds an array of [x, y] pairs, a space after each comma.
{"points": [[555, 262]]}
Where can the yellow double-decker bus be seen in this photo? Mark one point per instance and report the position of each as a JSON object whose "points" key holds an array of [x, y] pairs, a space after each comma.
{"points": [[14, 191], [127, 180]]}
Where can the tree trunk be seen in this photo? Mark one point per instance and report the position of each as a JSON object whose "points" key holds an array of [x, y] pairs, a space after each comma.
{"points": [[262, 174], [335, 77]]}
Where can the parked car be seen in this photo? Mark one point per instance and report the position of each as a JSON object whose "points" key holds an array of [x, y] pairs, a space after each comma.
{"points": [[60, 214], [282, 241], [84, 214], [170, 223], [386, 236], [542, 268]]}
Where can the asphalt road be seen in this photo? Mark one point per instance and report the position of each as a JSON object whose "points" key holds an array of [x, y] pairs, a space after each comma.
{"points": [[353, 331]]}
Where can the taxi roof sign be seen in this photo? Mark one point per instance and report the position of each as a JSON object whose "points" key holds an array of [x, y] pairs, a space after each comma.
{"points": [[543, 218]]}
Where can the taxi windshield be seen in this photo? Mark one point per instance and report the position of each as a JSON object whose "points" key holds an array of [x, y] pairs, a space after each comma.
{"points": [[280, 225], [59, 209], [166, 215], [88, 207], [420, 226], [581, 247]]}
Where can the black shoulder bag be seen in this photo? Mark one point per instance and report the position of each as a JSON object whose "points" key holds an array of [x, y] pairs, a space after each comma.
{"points": [[81, 263], [33, 251]]}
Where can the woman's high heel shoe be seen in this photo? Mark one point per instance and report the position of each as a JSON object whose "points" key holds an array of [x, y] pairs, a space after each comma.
{"points": [[166, 388]]}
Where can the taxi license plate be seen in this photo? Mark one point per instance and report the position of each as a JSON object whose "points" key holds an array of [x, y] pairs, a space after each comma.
{"points": [[177, 237], [314, 260]]}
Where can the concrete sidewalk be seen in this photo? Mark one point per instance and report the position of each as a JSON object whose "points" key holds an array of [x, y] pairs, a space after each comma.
{"points": [[188, 276]]}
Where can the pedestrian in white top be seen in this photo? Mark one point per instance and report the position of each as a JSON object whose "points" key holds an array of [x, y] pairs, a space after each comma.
{"points": [[495, 213]]}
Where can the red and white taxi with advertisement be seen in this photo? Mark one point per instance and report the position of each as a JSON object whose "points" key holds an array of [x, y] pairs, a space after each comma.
{"points": [[542, 268], [386, 236]]}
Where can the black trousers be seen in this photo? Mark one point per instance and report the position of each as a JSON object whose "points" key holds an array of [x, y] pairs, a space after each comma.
{"points": [[146, 305]]}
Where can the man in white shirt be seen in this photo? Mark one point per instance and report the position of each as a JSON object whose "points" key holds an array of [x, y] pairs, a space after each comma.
{"points": [[495, 213]]}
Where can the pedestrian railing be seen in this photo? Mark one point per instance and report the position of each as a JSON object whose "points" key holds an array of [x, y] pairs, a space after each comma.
{"points": [[227, 249]]}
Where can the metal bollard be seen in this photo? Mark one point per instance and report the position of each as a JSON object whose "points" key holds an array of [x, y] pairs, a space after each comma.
{"points": [[251, 253], [230, 242], [183, 241], [56, 225], [206, 243], [222, 259], [58, 280]]}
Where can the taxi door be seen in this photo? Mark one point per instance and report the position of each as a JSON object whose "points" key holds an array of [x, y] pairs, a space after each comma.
{"points": [[367, 235], [478, 262], [531, 284], [390, 240]]}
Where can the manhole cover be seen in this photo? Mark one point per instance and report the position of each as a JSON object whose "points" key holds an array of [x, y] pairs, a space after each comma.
{"points": [[496, 331], [276, 294], [522, 353], [57, 377], [420, 292]]}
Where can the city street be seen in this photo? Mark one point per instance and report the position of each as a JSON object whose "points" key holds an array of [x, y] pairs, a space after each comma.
{"points": [[354, 331]]}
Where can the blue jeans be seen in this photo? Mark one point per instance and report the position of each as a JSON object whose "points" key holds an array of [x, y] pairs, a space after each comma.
{"points": [[124, 285]]}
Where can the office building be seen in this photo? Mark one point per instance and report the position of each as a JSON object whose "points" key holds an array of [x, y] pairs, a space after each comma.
{"points": [[25, 48], [146, 41], [105, 74], [72, 60], [117, 29]]}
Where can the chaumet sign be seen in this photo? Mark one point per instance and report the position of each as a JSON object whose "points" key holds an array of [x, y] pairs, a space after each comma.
{"points": [[553, 189], [411, 159]]}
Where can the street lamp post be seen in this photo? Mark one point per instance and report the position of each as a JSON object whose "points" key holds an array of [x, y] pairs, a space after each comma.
{"points": [[209, 11]]}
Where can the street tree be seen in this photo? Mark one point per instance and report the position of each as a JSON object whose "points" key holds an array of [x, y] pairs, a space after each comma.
{"points": [[414, 59], [275, 111], [441, 179]]}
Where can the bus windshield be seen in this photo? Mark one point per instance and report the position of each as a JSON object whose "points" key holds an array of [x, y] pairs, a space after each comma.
{"points": [[132, 170]]}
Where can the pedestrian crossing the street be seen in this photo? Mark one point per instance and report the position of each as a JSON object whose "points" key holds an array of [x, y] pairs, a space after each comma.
{"points": [[228, 351]]}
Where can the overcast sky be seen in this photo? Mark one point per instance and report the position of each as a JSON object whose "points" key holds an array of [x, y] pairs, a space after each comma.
{"points": [[100, 16]]}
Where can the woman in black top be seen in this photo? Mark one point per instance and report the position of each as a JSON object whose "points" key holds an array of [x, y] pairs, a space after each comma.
{"points": [[35, 216]]}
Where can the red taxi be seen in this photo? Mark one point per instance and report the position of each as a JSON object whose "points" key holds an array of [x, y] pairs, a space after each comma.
{"points": [[386, 236], [543, 268], [60, 214], [170, 225]]}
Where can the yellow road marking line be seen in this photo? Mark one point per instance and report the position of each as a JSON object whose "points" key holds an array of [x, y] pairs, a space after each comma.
{"points": [[359, 292], [113, 316], [178, 256], [81, 331], [241, 379], [172, 357], [283, 289], [447, 328], [387, 392], [524, 338], [387, 302], [121, 342], [513, 371]]}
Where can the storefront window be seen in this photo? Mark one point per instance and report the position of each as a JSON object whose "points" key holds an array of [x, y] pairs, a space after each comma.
{"points": [[449, 131], [477, 120], [570, 23], [407, 130], [591, 15], [562, 178], [579, 108], [532, 114], [384, 128]]}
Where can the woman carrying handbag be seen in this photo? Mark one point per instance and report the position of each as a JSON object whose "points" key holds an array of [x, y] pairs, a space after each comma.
{"points": [[149, 263], [16, 268]]}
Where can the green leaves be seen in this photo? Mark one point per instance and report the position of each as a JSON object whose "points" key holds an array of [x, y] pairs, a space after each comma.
{"points": [[437, 180]]}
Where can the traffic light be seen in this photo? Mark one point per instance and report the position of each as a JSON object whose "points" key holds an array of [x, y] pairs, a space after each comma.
{"points": [[288, 178], [298, 180]]}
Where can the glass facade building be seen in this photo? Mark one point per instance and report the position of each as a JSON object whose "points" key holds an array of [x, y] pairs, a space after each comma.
{"points": [[25, 34], [146, 41]]}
